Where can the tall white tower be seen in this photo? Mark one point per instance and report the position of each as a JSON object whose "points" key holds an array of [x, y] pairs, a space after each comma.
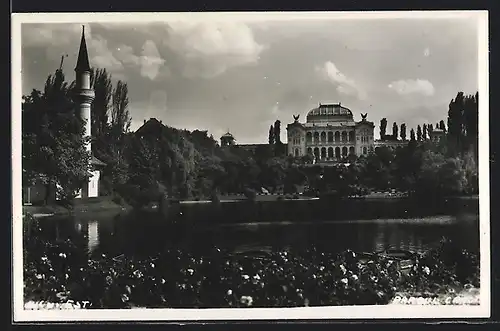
{"points": [[84, 94], [83, 97]]}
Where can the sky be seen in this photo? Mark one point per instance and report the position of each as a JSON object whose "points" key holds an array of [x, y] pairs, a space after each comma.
{"points": [[242, 75]]}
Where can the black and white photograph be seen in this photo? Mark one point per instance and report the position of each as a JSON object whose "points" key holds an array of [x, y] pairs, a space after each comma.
{"points": [[250, 166]]}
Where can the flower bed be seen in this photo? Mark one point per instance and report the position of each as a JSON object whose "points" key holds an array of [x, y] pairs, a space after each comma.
{"points": [[61, 273]]}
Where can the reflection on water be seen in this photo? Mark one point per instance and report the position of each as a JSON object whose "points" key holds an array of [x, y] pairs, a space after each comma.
{"points": [[93, 235], [145, 235]]}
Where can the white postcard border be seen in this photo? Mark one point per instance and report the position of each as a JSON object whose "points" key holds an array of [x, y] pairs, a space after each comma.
{"points": [[344, 312]]}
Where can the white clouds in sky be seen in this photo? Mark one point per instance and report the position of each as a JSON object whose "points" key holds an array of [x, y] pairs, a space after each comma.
{"points": [[344, 85], [102, 56], [64, 37], [412, 86], [150, 60], [211, 48], [51, 34]]}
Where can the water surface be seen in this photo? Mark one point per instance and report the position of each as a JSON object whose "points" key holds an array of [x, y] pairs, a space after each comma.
{"points": [[146, 234]]}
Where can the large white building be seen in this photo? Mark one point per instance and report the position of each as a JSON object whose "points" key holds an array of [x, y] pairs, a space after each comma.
{"points": [[330, 133]]}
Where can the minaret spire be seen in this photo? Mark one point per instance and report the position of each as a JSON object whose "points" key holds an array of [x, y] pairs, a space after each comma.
{"points": [[82, 63]]}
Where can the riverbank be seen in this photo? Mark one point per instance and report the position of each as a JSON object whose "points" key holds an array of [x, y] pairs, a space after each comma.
{"points": [[307, 209], [106, 203], [80, 206]]}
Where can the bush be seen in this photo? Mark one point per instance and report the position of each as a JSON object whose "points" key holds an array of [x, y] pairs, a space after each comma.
{"points": [[218, 279]]}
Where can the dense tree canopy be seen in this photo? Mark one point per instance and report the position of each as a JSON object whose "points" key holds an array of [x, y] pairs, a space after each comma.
{"points": [[53, 144]]}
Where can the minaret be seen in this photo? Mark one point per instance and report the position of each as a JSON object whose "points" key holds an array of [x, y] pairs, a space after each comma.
{"points": [[84, 94], [83, 97]]}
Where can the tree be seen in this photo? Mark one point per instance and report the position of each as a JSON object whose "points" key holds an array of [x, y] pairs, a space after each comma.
{"points": [[100, 80], [271, 135], [395, 131], [419, 133], [109, 145], [424, 132], [403, 132], [412, 135], [455, 134], [383, 127], [143, 161], [120, 116], [442, 126], [54, 146], [277, 132], [471, 118], [440, 176]]}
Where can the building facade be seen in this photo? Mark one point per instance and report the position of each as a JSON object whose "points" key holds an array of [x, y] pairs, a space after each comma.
{"points": [[227, 139], [330, 133], [437, 135]]}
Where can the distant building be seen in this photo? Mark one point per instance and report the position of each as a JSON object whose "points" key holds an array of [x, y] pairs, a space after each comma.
{"points": [[150, 128], [390, 143], [227, 139], [436, 135], [330, 133]]}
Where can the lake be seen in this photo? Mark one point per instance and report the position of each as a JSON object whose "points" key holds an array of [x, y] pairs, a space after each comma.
{"points": [[143, 234]]}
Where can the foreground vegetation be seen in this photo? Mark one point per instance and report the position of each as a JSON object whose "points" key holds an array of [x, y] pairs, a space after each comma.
{"points": [[61, 272]]}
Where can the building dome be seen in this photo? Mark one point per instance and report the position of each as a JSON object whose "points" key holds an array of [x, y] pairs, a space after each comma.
{"points": [[329, 112]]}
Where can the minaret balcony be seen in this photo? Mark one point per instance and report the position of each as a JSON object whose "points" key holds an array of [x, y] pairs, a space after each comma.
{"points": [[84, 96]]}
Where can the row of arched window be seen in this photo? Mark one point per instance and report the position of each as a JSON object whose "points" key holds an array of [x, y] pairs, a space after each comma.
{"points": [[329, 136], [330, 152]]}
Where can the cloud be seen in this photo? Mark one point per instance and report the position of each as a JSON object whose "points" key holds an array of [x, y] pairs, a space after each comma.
{"points": [[412, 86], [65, 37], [150, 60], [51, 34], [344, 84], [102, 56], [211, 48]]}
